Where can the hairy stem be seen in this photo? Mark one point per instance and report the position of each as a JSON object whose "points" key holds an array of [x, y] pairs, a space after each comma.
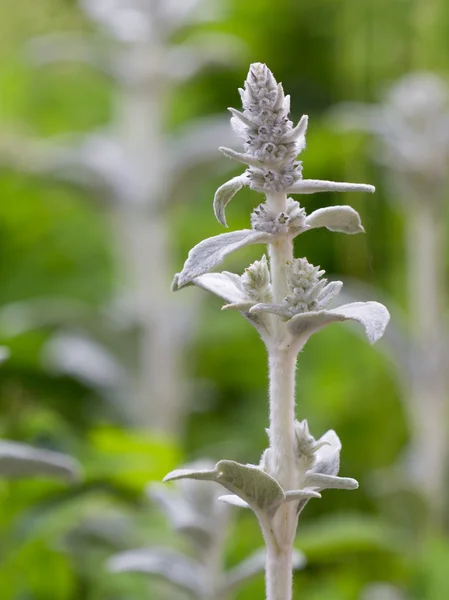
{"points": [[279, 574], [282, 367]]}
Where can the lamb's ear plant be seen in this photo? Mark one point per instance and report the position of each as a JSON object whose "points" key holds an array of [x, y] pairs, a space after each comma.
{"points": [[286, 299]]}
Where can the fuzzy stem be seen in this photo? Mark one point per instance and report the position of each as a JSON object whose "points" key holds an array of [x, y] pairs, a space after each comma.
{"points": [[279, 574], [282, 368]]}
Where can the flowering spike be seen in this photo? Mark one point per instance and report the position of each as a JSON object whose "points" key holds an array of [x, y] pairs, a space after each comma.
{"points": [[286, 300]]}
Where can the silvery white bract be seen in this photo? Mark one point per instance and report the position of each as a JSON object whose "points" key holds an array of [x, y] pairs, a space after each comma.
{"points": [[318, 461], [192, 510], [317, 465], [19, 461]]}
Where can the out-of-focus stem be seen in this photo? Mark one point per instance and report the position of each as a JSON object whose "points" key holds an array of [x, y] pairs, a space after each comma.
{"points": [[426, 280], [155, 401]]}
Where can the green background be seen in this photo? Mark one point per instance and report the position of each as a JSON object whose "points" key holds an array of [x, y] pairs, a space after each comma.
{"points": [[54, 241]]}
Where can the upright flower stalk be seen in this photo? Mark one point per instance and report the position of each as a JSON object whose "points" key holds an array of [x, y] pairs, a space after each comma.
{"points": [[286, 300]]}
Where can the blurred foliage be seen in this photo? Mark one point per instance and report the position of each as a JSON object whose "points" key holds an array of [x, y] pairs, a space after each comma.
{"points": [[54, 241]]}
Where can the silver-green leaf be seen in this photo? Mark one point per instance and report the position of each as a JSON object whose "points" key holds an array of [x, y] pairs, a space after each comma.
{"points": [[233, 500], [225, 285], [372, 315], [22, 461], [261, 491]]}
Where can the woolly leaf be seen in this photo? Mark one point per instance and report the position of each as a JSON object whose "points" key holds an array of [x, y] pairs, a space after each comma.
{"points": [[225, 285], [210, 252], [304, 494], [314, 186], [224, 195], [261, 491], [322, 481], [372, 315], [234, 500], [281, 310], [336, 218]]}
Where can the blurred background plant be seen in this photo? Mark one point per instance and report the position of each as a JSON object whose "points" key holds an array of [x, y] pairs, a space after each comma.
{"points": [[71, 306], [412, 133]]}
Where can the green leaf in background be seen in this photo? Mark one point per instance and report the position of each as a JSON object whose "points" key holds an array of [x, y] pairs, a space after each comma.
{"points": [[132, 458], [337, 536]]}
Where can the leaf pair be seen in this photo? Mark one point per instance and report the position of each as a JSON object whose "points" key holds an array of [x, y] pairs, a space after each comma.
{"points": [[209, 253], [228, 190], [373, 316], [253, 486]]}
